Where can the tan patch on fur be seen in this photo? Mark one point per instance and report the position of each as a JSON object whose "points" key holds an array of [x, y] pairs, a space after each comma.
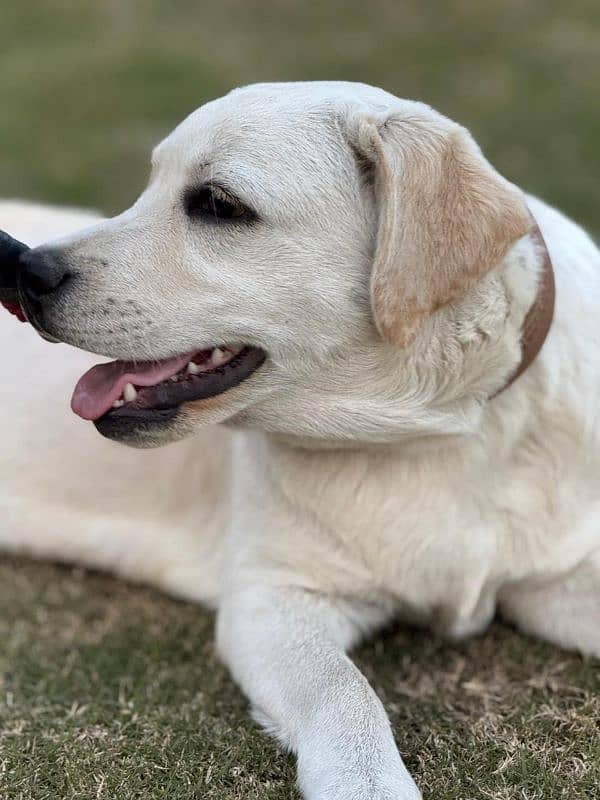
{"points": [[446, 217], [210, 409]]}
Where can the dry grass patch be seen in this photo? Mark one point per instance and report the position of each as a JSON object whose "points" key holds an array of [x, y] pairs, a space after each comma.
{"points": [[114, 691]]}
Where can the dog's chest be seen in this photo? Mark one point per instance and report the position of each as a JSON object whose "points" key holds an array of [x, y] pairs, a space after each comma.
{"points": [[432, 537], [424, 543], [404, 535]]}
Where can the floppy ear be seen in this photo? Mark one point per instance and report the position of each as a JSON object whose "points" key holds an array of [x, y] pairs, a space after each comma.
{"points": [[445, 216]]}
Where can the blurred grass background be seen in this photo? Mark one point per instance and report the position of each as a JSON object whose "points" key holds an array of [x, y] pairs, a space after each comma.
{"points": [[111, 691], [86, 88]]}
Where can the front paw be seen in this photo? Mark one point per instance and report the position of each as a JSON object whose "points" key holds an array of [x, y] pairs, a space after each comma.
{"points": [[363, 790], [391, 782]]}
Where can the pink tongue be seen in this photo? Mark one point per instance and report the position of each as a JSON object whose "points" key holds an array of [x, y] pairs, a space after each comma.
{"points": [[98, 389]]}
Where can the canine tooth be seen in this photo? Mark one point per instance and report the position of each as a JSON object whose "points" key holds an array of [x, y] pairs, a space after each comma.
{"points": [[193, 369], [118, 403], [218, 357], [129, 393]]}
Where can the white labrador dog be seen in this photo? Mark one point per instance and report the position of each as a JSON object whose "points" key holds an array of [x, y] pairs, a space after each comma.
{"points": [[343, 279]]}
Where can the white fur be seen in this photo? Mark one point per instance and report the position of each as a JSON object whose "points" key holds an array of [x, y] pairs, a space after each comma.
{"points": [[361, 482]]}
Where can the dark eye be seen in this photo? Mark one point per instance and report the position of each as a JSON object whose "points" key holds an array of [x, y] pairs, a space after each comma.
{"points": [[214, 203]]}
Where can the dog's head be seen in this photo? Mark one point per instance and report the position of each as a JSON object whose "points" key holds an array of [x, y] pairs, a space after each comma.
{"points": [[311, 259]]}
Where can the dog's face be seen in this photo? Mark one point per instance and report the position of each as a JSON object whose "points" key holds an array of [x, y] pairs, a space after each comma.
{"points": [[280, 268]]}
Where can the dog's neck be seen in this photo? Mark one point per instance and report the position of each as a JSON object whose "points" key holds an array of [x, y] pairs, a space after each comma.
{"points": [[538, 319]]}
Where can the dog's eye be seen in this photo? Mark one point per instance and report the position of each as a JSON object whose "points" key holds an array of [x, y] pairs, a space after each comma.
{"points": [[214, 203]]}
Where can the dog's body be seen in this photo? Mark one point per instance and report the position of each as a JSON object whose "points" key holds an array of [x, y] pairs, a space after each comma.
{"points": [[359, 490]]}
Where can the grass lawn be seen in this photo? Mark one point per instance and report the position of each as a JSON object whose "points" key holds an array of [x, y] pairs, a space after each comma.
{"points": [[112, 691]]}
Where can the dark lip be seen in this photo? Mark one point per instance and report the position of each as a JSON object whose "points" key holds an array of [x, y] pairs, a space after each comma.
{"points": [[136, 424], [155, 403], [33, 317]]}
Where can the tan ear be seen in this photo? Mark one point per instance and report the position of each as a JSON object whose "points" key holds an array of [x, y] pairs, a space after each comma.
{"points": [[445, 216]]}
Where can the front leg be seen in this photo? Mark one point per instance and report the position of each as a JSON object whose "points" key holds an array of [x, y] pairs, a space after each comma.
{"points": [[286, 649]]}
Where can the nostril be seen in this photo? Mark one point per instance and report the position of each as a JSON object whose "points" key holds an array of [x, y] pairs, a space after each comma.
{"points": [[45, 284], [42, 272]]}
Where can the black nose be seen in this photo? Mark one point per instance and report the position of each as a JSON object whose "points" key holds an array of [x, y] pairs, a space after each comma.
{"points": [[10, 252], [41, 273]]}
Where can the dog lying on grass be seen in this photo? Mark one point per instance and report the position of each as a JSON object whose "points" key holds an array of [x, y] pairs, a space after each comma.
{"points": [[341, 279]]}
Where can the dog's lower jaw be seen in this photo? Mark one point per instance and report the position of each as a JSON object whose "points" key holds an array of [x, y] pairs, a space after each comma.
{"points": [[143, 432]]}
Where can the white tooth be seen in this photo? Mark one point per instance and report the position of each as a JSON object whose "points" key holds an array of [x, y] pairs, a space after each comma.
{"points": [[129, 393], [118, 403], [218, 357], [173, 378], [193, 369]]}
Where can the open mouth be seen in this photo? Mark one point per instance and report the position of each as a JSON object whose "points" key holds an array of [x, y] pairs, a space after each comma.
{"points": [[151, 390], [138, 389]]}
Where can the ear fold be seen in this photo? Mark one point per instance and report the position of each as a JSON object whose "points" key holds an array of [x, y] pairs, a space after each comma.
{"points": [[446, 216]]}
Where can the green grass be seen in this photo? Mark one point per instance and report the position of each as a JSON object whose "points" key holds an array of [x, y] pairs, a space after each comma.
{"points": [[87, 88], [111, 691]]}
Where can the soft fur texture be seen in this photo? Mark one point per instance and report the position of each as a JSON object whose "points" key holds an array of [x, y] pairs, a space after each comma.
{"points": [[363, 473]]}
